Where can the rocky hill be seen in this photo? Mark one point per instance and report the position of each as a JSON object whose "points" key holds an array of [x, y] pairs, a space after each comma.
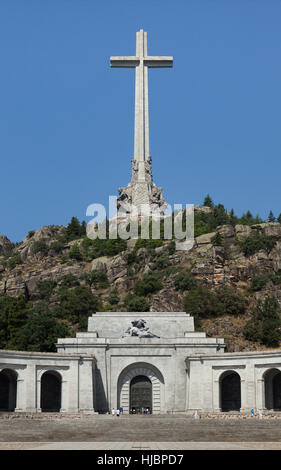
{"points": [[54, 264]]}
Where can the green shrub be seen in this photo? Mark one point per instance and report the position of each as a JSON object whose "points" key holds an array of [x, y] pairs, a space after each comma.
{"points": [[77, 304], [148, 243], [115, 246], [69, 280], [217, 240], [74, 230], [233, 302], [6, 304], [259, 282], [275, 278], [208, 201], [17, 316], [75, 252], [40, 333], [171, 247], [265, 325], [255, 242], [14, 260], [149, 284], [40, 246], [132, 258], [98, 278], [57, 246], [200, 228], [135, 303], [161, 261], [203, 302], [248, 219], [185, 281], [208, 222], [113, 298], [102, 247], [44, 289]]}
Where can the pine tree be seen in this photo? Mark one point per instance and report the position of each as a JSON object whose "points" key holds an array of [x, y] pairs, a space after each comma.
{"points": [[232, 218], [271, 217], [265, 325], [75, 230], [18, 314], [75, 252], [249, 215], [208, 201]]}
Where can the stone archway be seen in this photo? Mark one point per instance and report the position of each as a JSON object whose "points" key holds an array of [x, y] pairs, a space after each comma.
{"points": [[50, 391], [8, 390], [230, 391], [272, 389], [152, 374]]}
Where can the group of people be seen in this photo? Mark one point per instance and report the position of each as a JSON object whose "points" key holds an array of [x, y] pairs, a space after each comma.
{"points": [[133, 411], [117, 412], [259, 413], [140, 411]]}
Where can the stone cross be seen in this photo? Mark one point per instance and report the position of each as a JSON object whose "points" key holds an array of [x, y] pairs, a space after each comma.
{"points": [[141, 62]]}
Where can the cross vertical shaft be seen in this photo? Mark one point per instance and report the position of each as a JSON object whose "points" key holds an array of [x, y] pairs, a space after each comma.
{"points": [[141, 143]]}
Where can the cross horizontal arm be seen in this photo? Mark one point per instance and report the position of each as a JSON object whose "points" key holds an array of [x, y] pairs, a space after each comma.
{"points": [[160, 61], [127, 61]]}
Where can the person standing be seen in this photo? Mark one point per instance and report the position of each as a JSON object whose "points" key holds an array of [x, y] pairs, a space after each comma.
{"points": [[113, 412], [117, 412]]}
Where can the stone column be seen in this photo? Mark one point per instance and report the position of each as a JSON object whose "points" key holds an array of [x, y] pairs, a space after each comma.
{"points": [[64, 394], [30, 387], [216, 396], [102, 398], [179, 382], [260, 395], [73, 387], [38, 392], [21, 396], [86, 392], [244, 402], [250, 398], [195, 386], [207, 388]]}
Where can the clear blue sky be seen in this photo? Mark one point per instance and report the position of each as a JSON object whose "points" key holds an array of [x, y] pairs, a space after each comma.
{"points": [[66, 118]]}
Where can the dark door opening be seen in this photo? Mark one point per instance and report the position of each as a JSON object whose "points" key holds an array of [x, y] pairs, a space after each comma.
{"points": [[51, 391], [8, 390], [277, 392], [140, 394], [230, 387]]}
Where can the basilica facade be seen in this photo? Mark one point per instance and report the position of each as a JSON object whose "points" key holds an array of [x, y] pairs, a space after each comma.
{"points": [[155, 361]]}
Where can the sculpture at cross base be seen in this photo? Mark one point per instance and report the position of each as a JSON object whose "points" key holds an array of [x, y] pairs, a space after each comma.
{"points": [[140, 329], [141, 191]]}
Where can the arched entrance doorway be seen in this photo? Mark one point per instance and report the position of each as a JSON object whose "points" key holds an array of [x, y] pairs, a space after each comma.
{"points": [[138, 383], [51, 391], [140, 394], [8, 390], [272, 388], [230, 391]]}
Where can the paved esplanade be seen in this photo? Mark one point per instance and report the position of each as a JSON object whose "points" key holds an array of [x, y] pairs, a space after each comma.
{"points": [[141, 190]]}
